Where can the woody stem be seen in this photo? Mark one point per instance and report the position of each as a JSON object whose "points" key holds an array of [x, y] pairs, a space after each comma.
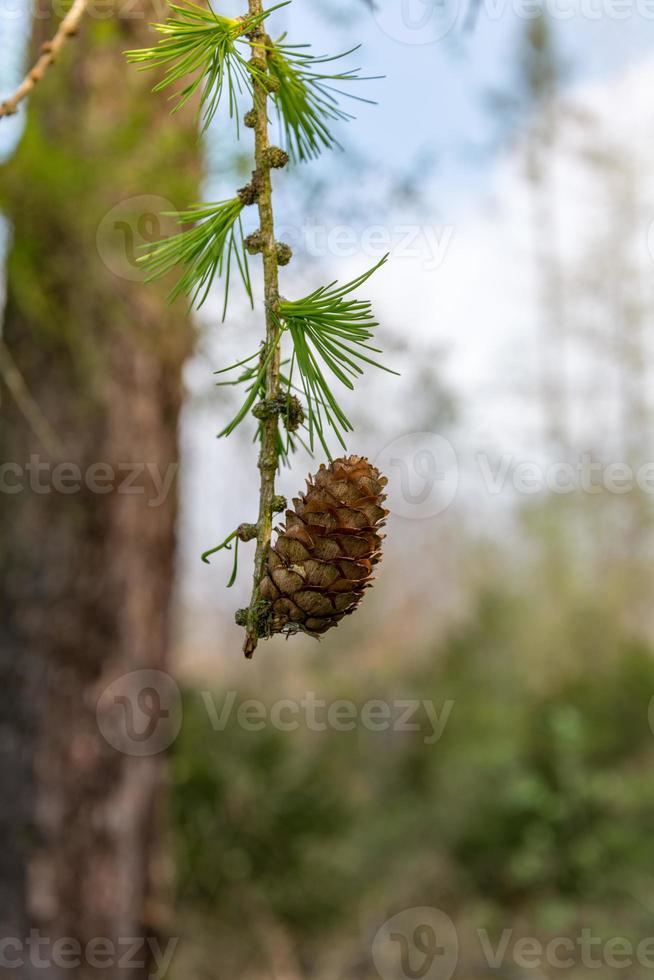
{"points": [[268, 454]]}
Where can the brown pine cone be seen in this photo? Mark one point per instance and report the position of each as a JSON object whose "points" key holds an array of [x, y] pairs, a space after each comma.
{"points": [[322, 561]]}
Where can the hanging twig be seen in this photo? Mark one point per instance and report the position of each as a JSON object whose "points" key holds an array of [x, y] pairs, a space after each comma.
{"points": [[270, 354], [244, 532], [328, 330], [67, 28]]}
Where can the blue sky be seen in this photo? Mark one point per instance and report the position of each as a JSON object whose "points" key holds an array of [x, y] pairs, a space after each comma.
{"points": [[433, 95]]}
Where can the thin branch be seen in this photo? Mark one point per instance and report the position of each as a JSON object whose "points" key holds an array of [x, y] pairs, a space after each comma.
{"points": [[329, 331], [268, 460], [49, 52]]}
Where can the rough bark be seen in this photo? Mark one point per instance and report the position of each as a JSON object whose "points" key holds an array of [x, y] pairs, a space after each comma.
{"points": [[86, 577]]}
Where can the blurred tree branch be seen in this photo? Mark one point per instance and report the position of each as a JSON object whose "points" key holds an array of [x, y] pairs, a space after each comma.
{"points": [[49, 51]]}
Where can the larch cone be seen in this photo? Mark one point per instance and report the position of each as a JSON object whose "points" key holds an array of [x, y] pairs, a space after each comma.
{"points": [[322, 561]]}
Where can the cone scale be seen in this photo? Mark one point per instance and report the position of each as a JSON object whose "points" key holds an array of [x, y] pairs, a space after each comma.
{"points": [[321, 564]]}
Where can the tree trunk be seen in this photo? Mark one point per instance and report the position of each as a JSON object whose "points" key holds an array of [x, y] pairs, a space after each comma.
{"points": [[86, 527]]}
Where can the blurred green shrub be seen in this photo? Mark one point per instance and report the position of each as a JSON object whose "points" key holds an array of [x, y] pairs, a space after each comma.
{"points": [[549, 792], [254, 813], [538, 796]]}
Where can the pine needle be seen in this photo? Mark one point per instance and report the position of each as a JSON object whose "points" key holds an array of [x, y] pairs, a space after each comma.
{"points": [[306, 103], [256, 380], [199, 43], [329, 333], [205, 251]]}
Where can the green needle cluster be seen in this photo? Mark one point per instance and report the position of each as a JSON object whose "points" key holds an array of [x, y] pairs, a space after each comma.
{"points": [[329, 333], [204, 251], [201, 48], [306, 103]]}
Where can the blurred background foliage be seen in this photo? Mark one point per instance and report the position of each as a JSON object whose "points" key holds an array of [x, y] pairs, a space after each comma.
{"points": [[532, 811]]}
